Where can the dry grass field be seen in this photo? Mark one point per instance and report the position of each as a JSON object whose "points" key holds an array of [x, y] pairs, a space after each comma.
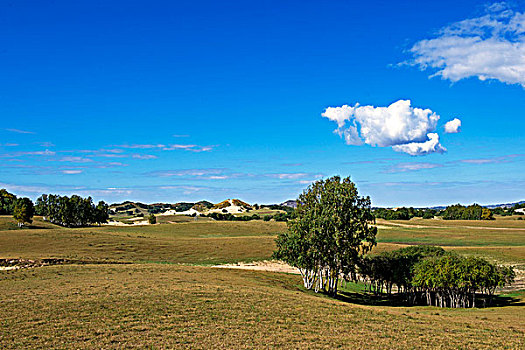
{"points": [[168, 295]]}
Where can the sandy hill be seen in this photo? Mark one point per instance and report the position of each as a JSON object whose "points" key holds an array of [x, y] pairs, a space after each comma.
{"points": [[232, 206]]}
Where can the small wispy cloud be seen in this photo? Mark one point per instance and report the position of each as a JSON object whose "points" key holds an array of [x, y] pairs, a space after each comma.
{"points": [[71, 172], [29, 153], [75, 159], [141, 146], [191, 148], [415, 166], [46, 144], [170, 147], [109, 155], [289, 176], [186, 172], [18, 131], [110, 165], [493, 160], [9, 144], [181, 135], [144, 156]]}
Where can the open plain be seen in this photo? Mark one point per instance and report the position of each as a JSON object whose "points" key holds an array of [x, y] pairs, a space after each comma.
{"points": [[154, 287]]}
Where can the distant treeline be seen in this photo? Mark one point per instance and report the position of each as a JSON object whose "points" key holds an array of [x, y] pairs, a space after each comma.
{"points": [[73, 211], [404, 213], [472, 212], [452, 212], [431, 276]]}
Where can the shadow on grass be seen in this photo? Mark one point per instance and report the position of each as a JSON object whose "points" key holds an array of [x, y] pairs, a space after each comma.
{"points": [[395, 300]]}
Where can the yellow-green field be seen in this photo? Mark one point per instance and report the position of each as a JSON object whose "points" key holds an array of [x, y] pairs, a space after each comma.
{"points": [[169, 296]]}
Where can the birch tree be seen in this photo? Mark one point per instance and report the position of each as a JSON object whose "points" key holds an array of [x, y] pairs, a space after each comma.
{"points": [[331, 231]]}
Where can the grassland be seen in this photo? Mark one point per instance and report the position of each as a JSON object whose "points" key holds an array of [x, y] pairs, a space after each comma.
{"points": [[169, 297]]}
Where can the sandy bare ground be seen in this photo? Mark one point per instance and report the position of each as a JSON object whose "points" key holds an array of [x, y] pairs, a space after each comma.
{"points": [[267, 265], [7, 268], [136, 223]]}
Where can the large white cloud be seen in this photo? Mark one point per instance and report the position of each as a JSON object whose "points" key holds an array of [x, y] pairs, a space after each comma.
{"points": [[400, 126], [487, 47], [453, 126]]}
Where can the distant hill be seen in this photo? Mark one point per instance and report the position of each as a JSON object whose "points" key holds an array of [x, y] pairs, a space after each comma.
{"points": [[129, 208], [292, 203], [506, 205], [232, 206]]}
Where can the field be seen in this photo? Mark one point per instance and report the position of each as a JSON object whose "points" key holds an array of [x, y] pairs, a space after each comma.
{"points": [[167, 295]]}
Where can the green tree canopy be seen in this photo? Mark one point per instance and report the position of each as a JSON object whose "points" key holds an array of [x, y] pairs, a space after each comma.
{"points": [[7, 202], [73, 211], [152, 219], [331, 230], [23, 211]]}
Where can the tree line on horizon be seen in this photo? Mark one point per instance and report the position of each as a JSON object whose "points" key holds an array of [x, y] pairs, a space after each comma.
{"points": [[73, 211], [452, 212]]}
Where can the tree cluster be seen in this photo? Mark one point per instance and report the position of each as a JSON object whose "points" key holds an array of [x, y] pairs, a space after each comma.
{"points": [[472, 212], [430, 276], [7, 202], [73, 211], [23, 211], [331, 231], [231, 217], [21, 208], [404, 213]]}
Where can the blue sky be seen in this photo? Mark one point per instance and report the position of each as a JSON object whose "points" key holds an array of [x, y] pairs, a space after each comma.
{"points": [[172, 101]]}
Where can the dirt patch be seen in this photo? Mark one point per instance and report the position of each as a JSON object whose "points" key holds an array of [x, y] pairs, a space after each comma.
{"points": [[271, 265], [119, 223]]}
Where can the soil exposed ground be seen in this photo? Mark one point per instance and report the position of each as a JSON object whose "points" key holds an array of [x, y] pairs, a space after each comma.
{"points": [[266, 265]]}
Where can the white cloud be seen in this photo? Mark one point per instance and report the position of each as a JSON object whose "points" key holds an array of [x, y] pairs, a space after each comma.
{"points": [[339, 114], [71, 172], [36, 153], [147, 146], [75, 159], [422, 148], [494, 160], [453, 126], [404, 167], [400, 126], [192, 148], [144, 156], [187, 172], [487, 47], [18, 131], [174, 147], [294, 176]]}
